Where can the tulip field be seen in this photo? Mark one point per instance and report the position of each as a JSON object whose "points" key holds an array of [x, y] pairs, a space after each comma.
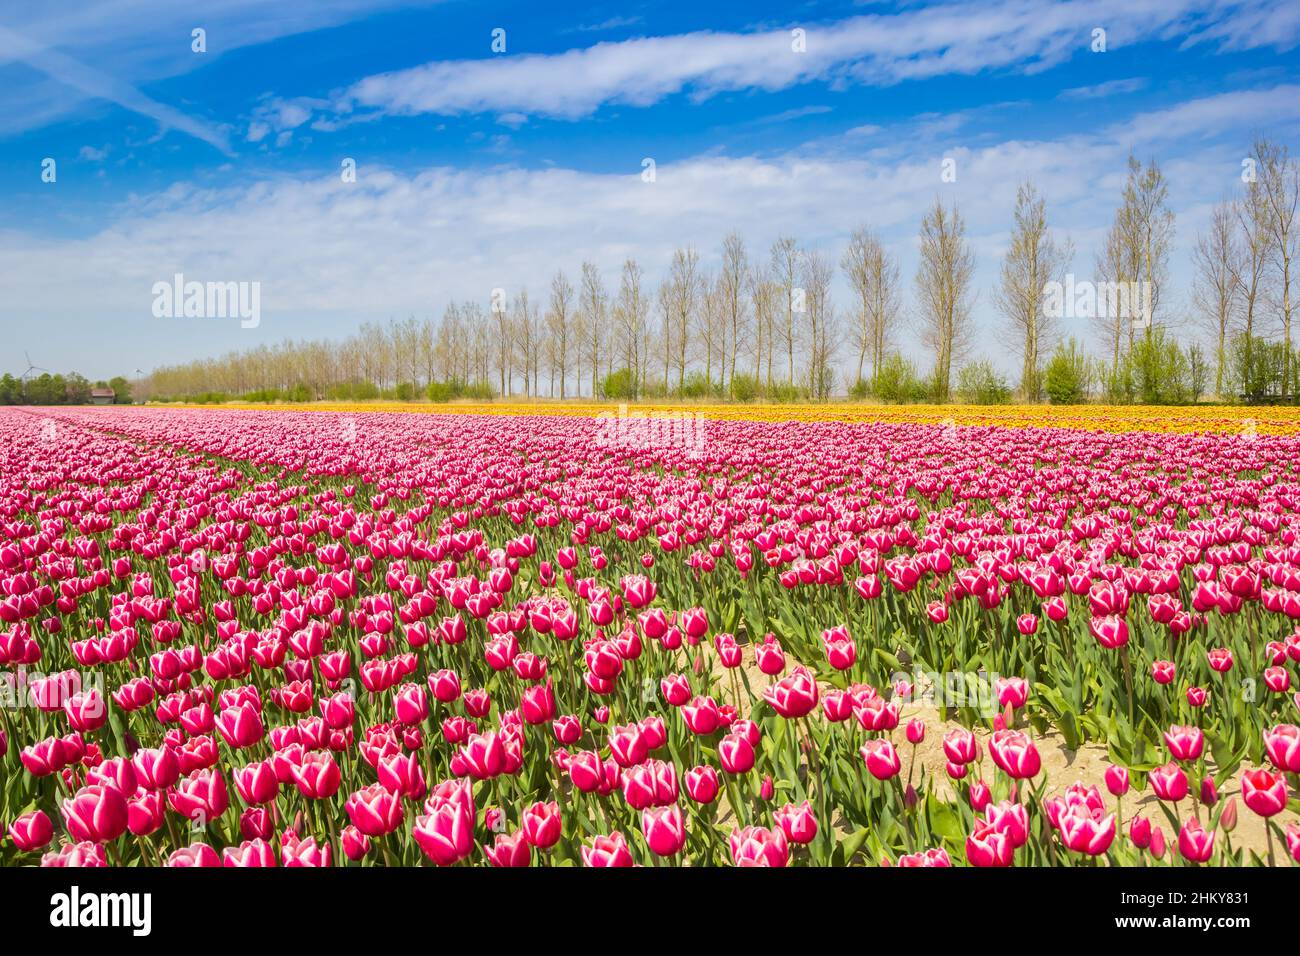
{"points": [[234, 637]]}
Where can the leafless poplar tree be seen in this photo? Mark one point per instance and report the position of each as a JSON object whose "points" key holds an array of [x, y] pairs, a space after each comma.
{"points": [[559, 322], [1279, 175], [785, 272], [1033, 259], [1216, 293], [943, 290], [874, 277]]}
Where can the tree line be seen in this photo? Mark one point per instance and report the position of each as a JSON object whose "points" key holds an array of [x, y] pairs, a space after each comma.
{"points": [[762, 323], [57, 389]]}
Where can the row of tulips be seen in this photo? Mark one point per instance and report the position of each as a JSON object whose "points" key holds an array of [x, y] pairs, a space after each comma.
{"points": [[245, 639]]}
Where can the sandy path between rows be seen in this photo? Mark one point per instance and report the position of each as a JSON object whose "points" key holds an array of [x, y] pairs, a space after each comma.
{"points": [[1062, 767]]}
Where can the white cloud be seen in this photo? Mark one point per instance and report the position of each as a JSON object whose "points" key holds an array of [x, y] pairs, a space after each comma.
{"points": [[880, 49], [1106, 89], [330, 254], [87, 80], [613, 23], [107, 50]]}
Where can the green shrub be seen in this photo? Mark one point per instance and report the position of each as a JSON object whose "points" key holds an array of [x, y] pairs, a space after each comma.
{"points": [[860, 390], [1067, 377], [620, 384], [696, 385], [980, 384], [896, 381], [783, 393], [440, 392], [744, 387]]}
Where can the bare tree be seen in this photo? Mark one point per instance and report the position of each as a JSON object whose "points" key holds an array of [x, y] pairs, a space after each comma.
{"points": [[732, 280], [816, 273], [873, 274], [666, 306], [685, 284], [593, 306], [943, 289], [1280, 177], [710, 329], [426, 350], [1256, 252], [1033, 259], [765, 296], [504, 346], [559, 321], [480, 343], [1117, 265], [1215, 289], [631, 309], [527, 335], [785, 272], [1147, 193]]}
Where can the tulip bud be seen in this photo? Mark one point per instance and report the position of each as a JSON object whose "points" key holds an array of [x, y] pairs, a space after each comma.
{"points": [[1158, 843], [1139, 832], [915, 731], [1228, 818], [1117, 780]]}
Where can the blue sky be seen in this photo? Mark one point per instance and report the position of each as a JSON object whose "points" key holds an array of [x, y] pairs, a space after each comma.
{"points": [[479, 169]]}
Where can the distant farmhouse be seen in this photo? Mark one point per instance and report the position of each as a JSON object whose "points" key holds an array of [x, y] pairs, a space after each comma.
{"points": [[102, 396]]}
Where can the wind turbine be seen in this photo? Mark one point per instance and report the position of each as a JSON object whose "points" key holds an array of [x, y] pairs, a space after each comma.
{"points": [[31, 368]]}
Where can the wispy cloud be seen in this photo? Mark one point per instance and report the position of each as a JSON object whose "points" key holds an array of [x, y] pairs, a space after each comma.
{"points": [[613, 23], [799, 112], [94, 83], [1109, 88], [89, 51], [329, 254], [878, 49]]}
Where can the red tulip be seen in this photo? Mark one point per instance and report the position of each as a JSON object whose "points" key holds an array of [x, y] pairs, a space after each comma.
{"points": [[1169, 782], [881, 758], [1117, 781], [31, 831], [663, 829], [794, 695], [1263, 792], [509, 851], [1184, 743], [1014, 754], [607, 851], [759, 846], [542, 825], [1282, 744], [95, 814], [249, 854], [445, 833], [318, 776], [1195, 843], [797, 822], [987, 847], [375, 811]]}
